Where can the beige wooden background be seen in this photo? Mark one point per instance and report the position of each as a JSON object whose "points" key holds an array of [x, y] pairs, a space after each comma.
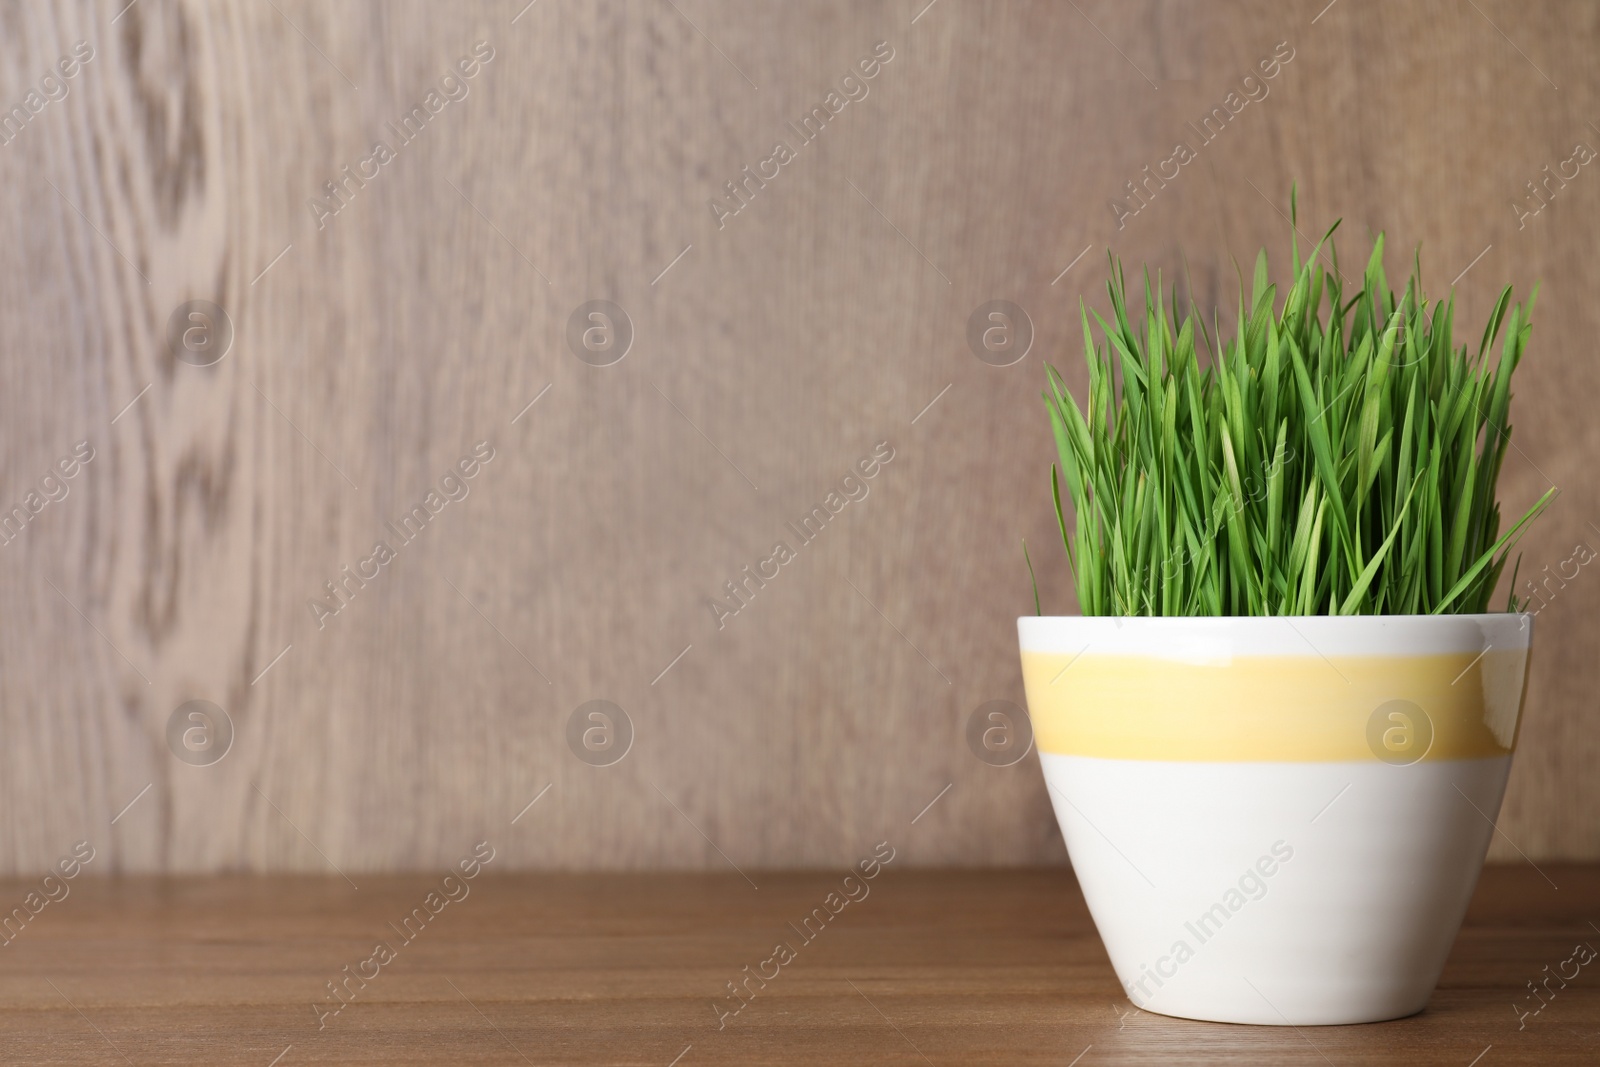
{"points": [[372, 353]]}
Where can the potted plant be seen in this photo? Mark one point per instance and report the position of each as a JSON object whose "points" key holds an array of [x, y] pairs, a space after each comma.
{"points": [[1277, 737]]}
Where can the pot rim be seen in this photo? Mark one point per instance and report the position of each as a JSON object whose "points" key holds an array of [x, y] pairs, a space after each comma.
{"points": [[1209, 636]]}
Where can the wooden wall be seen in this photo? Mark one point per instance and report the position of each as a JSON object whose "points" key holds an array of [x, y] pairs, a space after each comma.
{"points": [[771, 351]]}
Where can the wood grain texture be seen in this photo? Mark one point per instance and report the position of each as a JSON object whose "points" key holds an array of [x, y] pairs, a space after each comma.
{"points": [[979, 967], [374, 347]]}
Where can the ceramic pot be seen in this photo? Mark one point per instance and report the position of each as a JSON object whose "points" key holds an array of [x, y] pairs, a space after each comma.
{"points": [[1277, 820]]}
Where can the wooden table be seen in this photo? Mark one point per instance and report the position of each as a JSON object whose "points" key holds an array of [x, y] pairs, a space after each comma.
{"points": [[953, 967]]}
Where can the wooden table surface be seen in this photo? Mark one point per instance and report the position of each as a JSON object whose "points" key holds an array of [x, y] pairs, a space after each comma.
{"points": [[938, 967]]}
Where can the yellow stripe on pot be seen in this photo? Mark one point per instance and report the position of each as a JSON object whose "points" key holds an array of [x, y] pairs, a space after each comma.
{"points": [[1398, 709]]}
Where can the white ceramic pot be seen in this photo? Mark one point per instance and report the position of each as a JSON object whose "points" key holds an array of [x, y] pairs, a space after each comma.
{"points": [[1277, 820]]}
